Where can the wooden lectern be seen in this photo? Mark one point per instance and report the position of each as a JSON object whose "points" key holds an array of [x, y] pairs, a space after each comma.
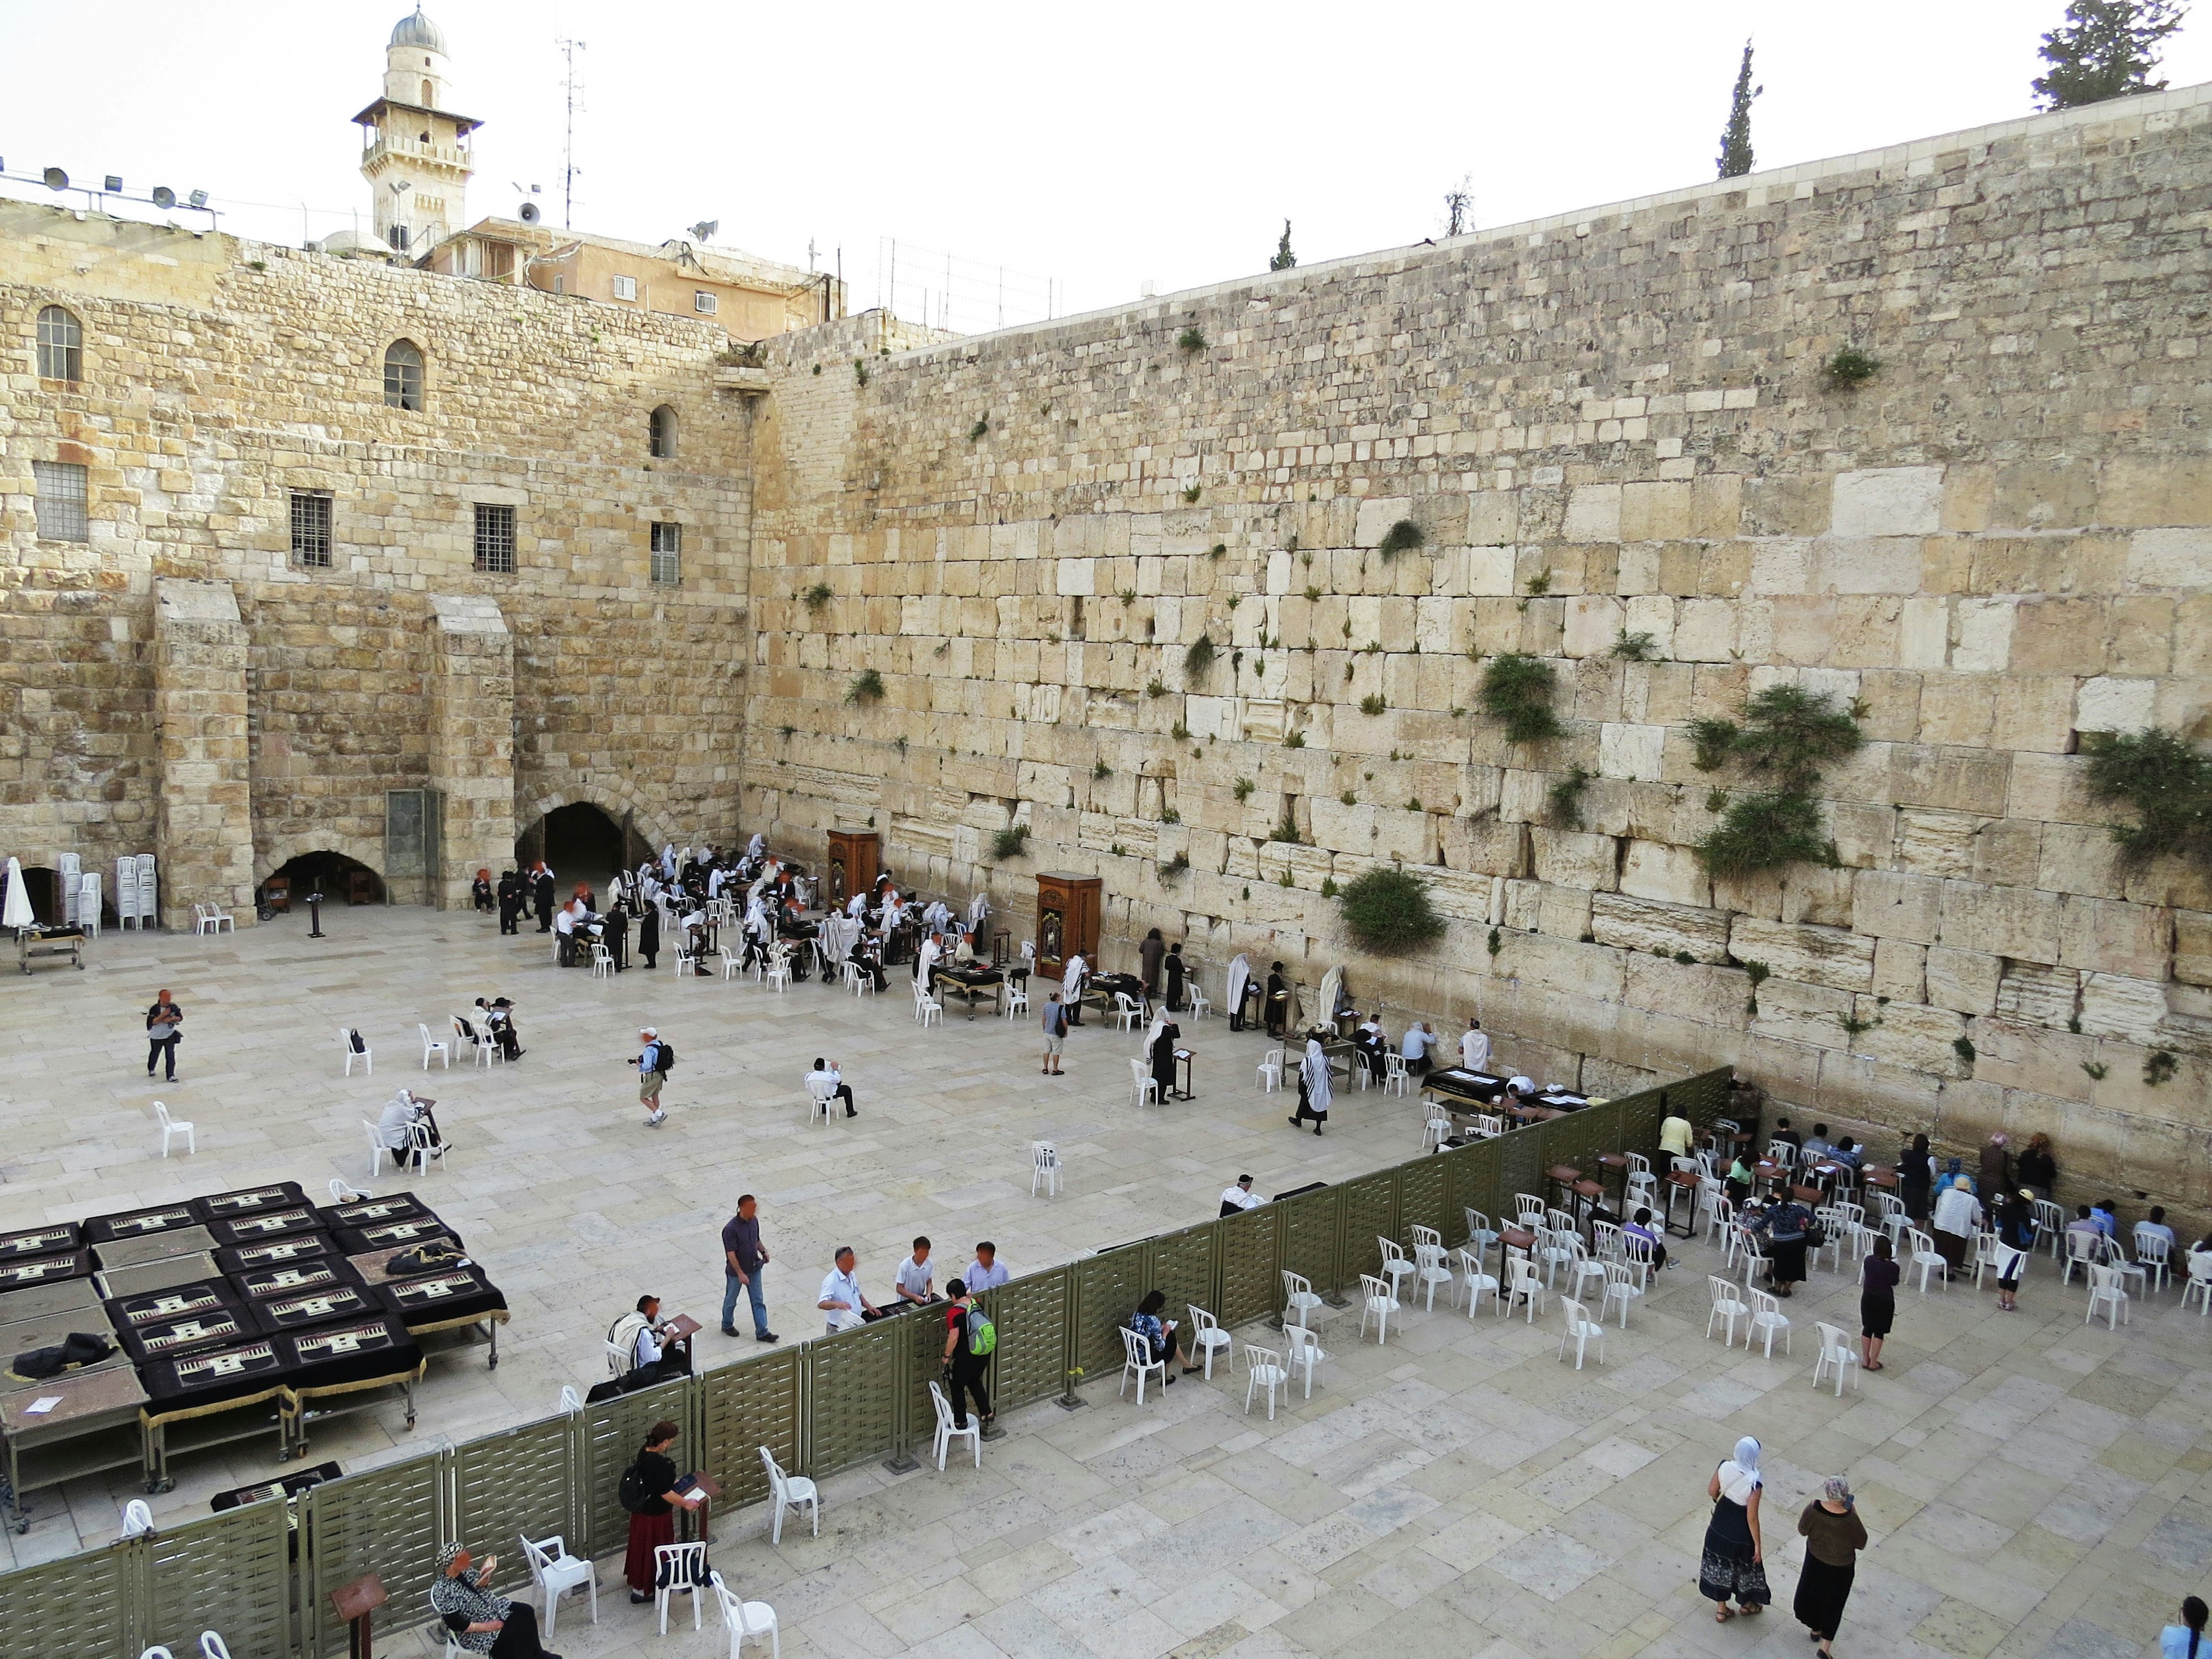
{"points": [[855, 857], [354, 1602], [1068, 922]]}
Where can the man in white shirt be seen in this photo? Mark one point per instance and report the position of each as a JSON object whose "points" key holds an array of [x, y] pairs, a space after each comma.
{"points": [[986, 1272], [564, 930], [842, 1297], [914, 1282], [1475, 1046], [1240, 1197], [1414, 1050], [1373, 1045], [834, 1087]]}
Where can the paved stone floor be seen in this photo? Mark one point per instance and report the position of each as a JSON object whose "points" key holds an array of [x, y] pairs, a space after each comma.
{"points": [[2034, 1487]]}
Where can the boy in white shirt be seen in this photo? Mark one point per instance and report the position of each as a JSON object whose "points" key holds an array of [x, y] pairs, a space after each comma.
{"points": [[914, 1282], [1475, 1046]]}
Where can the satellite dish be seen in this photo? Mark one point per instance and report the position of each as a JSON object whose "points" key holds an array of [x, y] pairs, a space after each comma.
{"points": [[57, 180], [529, 214], [164, 196]]}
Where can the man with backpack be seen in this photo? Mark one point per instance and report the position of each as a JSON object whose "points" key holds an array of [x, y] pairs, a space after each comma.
{"points": [[653, 1060], [970, 1339]]}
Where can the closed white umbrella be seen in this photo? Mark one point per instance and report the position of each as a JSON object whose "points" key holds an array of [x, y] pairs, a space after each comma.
{"points": [[18, 912]]}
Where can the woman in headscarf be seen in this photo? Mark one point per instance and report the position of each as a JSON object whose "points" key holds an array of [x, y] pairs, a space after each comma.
{"points": [[1734, 1564], [1916, 1180], [2014, 1225], [1314, 1092], [479, 1621], [1150, 954], [1833, 1535], [1957, 1219], [1159, 1052]]}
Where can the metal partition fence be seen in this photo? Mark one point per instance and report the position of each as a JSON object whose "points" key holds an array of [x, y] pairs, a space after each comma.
{"points": [[261, 1576]]}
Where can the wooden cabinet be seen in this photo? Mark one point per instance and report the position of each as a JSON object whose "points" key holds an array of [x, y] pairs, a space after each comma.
{"points": [[855, 857], [1068, 922]]}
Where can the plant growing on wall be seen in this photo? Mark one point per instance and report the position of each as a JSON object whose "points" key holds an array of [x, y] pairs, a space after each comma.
{"points": [[2160, 1068], [1295, 740], [1388, 911], [817, 596], [1566, 798], [868, 687], [1100, 770], [1242, 789], [1175, 868], [1198, 661], [1191, 341], [1012, 843], [1756, 973], [980, 429], [861, 370], [1156, 687], [1517, 690], [1191, 494], [1849, 365], [1633, 647], [2167, 781], [1788, 738], [1373, 703], [1403, 536], [1287, 831]]}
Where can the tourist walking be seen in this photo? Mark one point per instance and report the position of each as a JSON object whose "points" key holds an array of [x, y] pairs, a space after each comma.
{"points": [[2187, 1639], [1734, 1563], [1834, 1536], [1055, 1033], [653, 1060], [743, 1259], [1878, 1278], [1314, 1090], [163, 1020]]}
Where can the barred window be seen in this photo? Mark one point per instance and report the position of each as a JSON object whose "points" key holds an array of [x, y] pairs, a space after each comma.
{"points": [[61, 345], [403, 375], [61, 501], [704, 302], [625, 288], [496, 538], [310, 529], [668, 553]]}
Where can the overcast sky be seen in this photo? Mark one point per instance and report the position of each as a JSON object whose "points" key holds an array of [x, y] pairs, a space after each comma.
{"points": [[1100, 146]]}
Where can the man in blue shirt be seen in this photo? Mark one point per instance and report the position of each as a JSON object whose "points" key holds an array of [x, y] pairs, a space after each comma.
{"points": [[986, 1272], [651, 1075], [743, 1257]]}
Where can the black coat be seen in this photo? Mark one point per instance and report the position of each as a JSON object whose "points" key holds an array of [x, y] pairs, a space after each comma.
{"points": [[648, 932], [541, 890]]}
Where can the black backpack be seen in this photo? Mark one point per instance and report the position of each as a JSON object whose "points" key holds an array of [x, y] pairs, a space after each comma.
{"points": [[631, 1493], [664, 1061], [358, 1047]]}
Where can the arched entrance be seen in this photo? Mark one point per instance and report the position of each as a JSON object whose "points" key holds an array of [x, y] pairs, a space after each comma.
{"points": [[579, 840], [339, 879]]}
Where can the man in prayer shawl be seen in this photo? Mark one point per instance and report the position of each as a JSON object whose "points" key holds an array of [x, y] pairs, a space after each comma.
{"points": [[1314, 1091], [1070, 987], [1238, 990], [1159, 1052], [756, 845]]}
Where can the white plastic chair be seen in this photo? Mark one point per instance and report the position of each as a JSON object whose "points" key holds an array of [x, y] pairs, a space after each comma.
{"points": [[1985, 1256], [1017, 1001], [1298, 1299], [484, 1046], [732, 964], [948, 1432], [1555, 1250], [378, 1151], [1143, 1086], [1524, 1285], [1270, 1072], [556, 1573], [1529, 1209], [2050, 1227], [1605, 1241], [1477, 1281], [171, 1126], [1922, 1253], [2151, 1256], [1766, 1315], [821, 1092], [1263, 1368], [1394, 1079], [1430, 1270], [788, 1492], [1755, 1262], [428, 1154], [1586, 1275], [1376, 1303], [603, 961], [1199, 1007], [2083, 1250], [678, 1567], [212, 1646], [927, 1009], [1305, 1353], [345, 1192], [1581, 1330], [1137, 1361], [1621, 1286], [1207, 1335], [1396, 1264], [1128, 1012], [1837, 1354], [1481, 1235], [432, 1046], [2105, 1289], [1728, 1307], [138, 1519], [160, 1652], [1488, 1126], [1642, 1186], [368, 1060], [1045, 1168], [2199, 1283], [746, 1621], [1438, 1129], [571, 1401]]}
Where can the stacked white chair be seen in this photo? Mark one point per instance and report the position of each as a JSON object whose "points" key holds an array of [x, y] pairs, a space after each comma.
{"points": [[70, 867], [89, 903], [148, 912]]}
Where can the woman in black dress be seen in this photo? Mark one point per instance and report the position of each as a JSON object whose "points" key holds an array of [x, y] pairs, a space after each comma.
{"points": [[1877, 1277], [1834, 1536], [1915, 1180], [1734, 1563]]}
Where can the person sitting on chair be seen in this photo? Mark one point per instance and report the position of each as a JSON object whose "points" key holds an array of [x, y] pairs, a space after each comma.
{"points": [[825, 1071], [1160, 1335], [475, 1619], [499, 1020], [643, 1336], [396, 1127], [480, 894]]}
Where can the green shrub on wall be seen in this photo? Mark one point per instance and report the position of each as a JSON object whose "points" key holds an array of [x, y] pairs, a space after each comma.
{"points": [[1517, 690], [2166, 780], [1788, 738], [1388, 912]]}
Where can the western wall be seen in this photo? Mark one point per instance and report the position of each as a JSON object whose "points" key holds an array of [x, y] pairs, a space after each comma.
{"points": [[1614, 421]]}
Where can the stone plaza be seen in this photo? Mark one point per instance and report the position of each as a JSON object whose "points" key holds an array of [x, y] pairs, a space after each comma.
{"points": [[2032, 1485]]}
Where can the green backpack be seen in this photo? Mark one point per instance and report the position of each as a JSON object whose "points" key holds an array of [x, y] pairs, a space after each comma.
{"points": [[982, 1334]]}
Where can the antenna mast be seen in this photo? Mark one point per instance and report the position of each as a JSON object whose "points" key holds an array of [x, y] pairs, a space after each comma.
{"points": [[568, 168]]}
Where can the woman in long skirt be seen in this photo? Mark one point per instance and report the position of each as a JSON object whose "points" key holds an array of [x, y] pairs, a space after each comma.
{"points": [[1734, 1564], [1834, 1536]]}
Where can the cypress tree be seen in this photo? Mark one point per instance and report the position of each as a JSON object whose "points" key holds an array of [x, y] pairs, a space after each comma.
{"points": [[1735, 137], [1283, 258], [2107, 49]]}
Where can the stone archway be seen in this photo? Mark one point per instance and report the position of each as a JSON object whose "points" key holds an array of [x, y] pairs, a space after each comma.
{"points": [[361, 849], [616, 798]]}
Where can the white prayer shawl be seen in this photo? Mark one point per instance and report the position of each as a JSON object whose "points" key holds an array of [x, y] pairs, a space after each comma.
{"points": [[1332, 988], [753, 847], [1240, 973], [668, 862], [979, 911], [1314, 1067], [926, 958], [1071, 982], [1153, 1037]]}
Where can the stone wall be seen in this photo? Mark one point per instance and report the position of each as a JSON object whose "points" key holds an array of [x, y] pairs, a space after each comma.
{"points": [[219, 376], [1611, 422]]}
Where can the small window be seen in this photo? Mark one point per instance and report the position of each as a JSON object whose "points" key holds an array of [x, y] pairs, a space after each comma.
{"points": [[61, 501], [704, 302], [429, 95], [402, 373], [61, 345], [660, 434], [310, 529], [625, 288], [668, 553], [396, 238], [496, 538]]}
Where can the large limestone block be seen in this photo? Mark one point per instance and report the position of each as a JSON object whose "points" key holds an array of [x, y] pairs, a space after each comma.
{"points": [[2192, 947], [2109, 704], [1376, 514], [2006, 921], [1832, 956], [1798, 1013], [1890, 501], [1891, 905], [1631, 752], [1569, 859], [1880, 564], [1593, 515], [2115, 937], [2170, 558], [1673, 875], [2035, 993], [1900, 970], [1593, 623], [1648, 926], [1931, 843], [2119, 1005], [1911, 1034], [1965, 981]]}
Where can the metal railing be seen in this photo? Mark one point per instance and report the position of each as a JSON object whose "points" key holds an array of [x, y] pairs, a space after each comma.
{"points": [[262, 1575]]}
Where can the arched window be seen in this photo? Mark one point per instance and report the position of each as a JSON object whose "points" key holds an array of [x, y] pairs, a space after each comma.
{"points": [[61, 345], [660, 434], [403, 375], [429, 96]]}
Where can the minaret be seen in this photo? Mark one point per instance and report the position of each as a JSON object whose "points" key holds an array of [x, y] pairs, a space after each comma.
{"points": [[417, 161]]}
